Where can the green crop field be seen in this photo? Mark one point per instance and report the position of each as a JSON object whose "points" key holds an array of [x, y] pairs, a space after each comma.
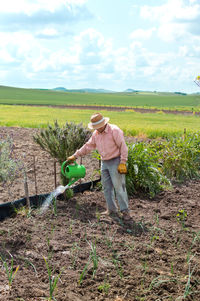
{"points": [[150, 125], [9, 95]]}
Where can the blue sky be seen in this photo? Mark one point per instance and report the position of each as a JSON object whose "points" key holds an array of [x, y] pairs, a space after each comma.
{"points": [[111, 44]]}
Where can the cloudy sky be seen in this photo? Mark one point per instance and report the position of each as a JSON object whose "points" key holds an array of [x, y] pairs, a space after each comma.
{"points": [[110, 44]]}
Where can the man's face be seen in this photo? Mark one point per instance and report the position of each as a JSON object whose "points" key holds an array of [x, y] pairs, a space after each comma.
{"points": [[100, 130]]}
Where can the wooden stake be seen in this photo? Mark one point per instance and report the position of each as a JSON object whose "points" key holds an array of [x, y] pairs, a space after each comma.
{"points": [[55, 180], [28, 204], [81, 161], [34, 168], [184, 135]]}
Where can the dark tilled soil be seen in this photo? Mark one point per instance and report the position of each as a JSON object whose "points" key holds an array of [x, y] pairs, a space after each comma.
{"points": [[151, 258]]}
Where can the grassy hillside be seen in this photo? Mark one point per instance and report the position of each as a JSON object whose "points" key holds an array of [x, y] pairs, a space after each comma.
{"points": [[10, 95]]}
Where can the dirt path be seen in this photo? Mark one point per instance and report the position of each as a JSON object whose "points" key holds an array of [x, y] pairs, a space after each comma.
{"points": [[113, 108]]}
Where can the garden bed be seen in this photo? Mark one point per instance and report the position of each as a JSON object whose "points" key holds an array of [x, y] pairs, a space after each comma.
{"points": [[154, 257]]}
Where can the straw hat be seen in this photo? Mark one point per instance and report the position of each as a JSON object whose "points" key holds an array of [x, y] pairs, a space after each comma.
{"points": [[97, 121]]}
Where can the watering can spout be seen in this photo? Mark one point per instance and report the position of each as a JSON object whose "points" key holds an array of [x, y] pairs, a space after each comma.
{"points": [[73, 172]]}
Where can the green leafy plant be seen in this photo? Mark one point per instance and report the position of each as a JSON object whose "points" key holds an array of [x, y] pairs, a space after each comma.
{"points": [[144, 172], [61, 142], [179, 157], [181, 160]]}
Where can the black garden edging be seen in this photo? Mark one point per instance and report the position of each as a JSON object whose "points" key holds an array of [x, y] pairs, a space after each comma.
{"points": [[8, 209]]}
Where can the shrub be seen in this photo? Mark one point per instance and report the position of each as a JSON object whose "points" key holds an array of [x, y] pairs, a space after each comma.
{"points": [[179, 157], [9, 167], [61, 142], [144, 171]]}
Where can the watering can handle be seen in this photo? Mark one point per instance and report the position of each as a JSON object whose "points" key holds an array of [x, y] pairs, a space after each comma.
{"points": [[64, 165]]}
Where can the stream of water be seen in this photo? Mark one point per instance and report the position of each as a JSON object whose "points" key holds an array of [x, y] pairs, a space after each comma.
{"points": [[59, 190]]}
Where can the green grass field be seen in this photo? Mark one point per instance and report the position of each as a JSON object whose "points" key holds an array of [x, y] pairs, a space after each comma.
{"points": [[9, 95], [150, 125]]}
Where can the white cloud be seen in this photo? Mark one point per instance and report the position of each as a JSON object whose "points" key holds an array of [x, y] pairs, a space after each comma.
{"points": [[31, 6], [34, 16], [177, 19], [29, 53], [141, 34]]}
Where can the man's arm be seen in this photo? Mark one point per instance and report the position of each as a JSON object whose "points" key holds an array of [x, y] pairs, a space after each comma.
{"points": [[118, 136], [84, 150]]}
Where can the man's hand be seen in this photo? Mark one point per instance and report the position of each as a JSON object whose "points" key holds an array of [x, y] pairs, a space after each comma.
{"points": [[71, 158], [122, 168]]}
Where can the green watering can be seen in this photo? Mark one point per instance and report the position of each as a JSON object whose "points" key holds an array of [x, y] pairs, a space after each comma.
{"points": [[73, 172]]}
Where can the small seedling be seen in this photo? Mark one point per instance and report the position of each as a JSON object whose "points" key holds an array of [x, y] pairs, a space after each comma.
{"points": [[94, 258], [74, 254], [181, 217], [54, 203], [71, 227], [98, 215], [83, 272], [53, 280], [104, 288], [10, 271], [154, 237], [118, 265], [188, 287]]}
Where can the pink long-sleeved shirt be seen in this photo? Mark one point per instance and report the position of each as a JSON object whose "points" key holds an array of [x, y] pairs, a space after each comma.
{"points": [[110, 144]]}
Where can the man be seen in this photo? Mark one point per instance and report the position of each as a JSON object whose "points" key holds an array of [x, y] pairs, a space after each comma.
{"points": [[108, 139]]}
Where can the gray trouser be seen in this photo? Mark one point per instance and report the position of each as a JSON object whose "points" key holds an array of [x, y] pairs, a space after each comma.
{"points": [[114, 185]]}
